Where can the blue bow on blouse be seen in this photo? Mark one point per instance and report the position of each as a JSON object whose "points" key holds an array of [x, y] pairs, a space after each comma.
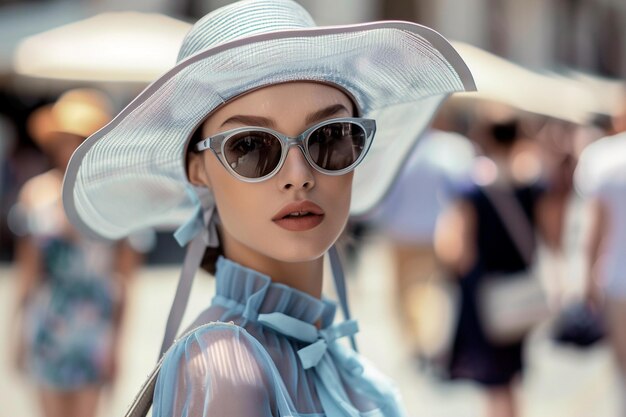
{"points": [[333, 397], [319, 340]]}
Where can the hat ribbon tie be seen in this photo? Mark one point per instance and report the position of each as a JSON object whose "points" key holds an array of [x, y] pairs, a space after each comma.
{"points": [[188, 230], [196, 224]]}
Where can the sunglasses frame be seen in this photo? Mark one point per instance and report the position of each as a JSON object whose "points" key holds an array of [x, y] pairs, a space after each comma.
{"points": [[217, 142]]}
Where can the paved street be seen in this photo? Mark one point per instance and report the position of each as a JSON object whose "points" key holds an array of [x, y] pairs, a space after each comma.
{"points": [[560, 382]]}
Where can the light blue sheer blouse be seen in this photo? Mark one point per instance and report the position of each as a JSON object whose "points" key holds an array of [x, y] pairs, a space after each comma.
{"points": [[260, 354]]}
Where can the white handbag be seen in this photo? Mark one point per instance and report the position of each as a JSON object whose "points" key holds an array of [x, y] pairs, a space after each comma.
{"points": [[510, 305]]}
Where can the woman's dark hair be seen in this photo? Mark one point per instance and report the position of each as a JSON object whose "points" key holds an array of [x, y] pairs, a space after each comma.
{"points": [[210, 256], [209, 259]]}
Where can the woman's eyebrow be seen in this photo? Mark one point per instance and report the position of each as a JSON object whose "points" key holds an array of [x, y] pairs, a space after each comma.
{"points": [[247, 120], [326, 113]]}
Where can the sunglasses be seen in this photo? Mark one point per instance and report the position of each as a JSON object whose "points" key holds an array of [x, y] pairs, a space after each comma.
{"points": [[253, 154]]}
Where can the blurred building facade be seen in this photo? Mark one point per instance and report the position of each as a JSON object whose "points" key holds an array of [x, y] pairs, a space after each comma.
{"points": [[588, 35]]}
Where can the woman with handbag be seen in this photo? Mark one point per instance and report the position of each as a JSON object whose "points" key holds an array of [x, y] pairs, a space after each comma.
{"points": [[486, 238], [250, 143]]}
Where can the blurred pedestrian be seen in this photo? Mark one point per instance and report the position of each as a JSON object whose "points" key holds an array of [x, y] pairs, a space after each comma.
{"points": [[601, 176], [407, 218], [474, 242], [71, 289]]}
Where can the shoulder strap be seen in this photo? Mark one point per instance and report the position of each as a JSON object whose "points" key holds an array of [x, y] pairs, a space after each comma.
{"points": [[143, 401], [514, 219]]}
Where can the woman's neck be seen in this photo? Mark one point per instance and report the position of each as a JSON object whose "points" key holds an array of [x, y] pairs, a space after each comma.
{"points": [[305, 276]]}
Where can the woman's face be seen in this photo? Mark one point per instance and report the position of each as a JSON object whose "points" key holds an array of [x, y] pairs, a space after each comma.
{"points": [[253, 214]]}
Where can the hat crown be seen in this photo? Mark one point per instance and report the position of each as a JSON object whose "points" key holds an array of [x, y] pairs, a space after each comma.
{"points": [[242, 19]]}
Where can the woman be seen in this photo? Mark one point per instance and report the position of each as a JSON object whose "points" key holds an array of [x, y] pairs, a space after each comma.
{"points": [[407, 217], [474, 242], [271, 115], [71, 289]]}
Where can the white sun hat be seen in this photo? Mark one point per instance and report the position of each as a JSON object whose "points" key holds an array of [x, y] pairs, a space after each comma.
{"points": [[131, 174]]}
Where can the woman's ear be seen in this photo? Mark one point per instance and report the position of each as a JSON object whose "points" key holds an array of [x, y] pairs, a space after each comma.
{"points": [[197, 172]]}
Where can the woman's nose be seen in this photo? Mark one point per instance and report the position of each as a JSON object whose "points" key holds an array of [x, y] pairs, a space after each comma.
{"points": [[296, 173]]}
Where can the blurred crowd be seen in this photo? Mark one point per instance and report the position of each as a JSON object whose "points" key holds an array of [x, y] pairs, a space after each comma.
{"points": [[509, 214], [504, 220]]}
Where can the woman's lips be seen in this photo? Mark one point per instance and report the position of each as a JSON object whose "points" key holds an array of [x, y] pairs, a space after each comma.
{"points": [[299, 216], [300, 224]]}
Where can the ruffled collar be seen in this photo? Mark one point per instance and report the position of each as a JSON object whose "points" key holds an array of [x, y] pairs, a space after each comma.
{"points": [[255, 293], [293, 313]]}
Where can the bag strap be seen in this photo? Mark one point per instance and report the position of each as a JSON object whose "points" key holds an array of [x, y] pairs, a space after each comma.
{"points": [[514, 220], [143, 401]]}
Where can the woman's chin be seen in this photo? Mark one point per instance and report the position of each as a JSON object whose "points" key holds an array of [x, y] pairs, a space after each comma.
{"points": [[297, 254], [298, 250]]}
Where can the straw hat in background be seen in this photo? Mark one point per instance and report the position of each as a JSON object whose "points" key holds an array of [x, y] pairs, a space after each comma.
{"points": [[78, 112]]}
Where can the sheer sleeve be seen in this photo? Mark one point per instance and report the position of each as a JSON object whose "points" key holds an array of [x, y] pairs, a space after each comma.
{"points": [[217, 370]]}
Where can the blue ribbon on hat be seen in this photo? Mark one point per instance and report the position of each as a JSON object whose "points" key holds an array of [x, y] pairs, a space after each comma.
{"points": [[201, 221], [188, 230]]}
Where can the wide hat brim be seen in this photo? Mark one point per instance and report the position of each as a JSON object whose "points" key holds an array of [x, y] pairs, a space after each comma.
{"points": [[130, 175]]}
